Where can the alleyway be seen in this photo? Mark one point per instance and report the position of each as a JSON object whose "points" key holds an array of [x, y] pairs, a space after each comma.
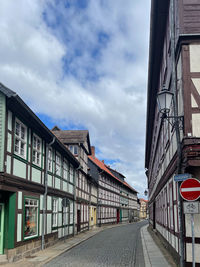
{"points": [[120, 246]]}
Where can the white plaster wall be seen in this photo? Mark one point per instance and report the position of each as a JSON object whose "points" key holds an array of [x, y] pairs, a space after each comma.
{"points": [[194, 51], [19, 227], [189, 252], [196, 125]]}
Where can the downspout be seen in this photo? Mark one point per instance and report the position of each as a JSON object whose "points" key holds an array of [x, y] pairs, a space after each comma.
{"points": [[74, 206], [45, 192]]}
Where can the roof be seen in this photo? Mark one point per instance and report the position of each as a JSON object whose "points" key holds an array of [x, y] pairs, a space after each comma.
{"points": [[103, 167], [159, 14], [144, 200], [6, 91], [17, 105], [72, 136]]}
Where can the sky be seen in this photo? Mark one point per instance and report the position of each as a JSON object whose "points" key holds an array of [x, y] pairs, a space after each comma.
{"points": [[83, 64]]}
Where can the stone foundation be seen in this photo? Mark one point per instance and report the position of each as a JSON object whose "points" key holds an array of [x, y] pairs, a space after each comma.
{"points": [[27, 249]]}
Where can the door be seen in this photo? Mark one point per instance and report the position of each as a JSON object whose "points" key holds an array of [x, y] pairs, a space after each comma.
{"points": [[154, 215], [118, 215], [95, 216], [1, 227], [78, 220]]}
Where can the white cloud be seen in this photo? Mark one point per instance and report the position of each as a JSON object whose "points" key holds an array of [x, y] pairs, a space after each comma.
{"points": [[105, 93]]}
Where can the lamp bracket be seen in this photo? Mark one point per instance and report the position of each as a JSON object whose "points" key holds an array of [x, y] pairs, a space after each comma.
{"points": [[174, 120]]}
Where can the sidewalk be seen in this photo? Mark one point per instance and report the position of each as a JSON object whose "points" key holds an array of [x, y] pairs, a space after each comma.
{"points": [[152, 254]]}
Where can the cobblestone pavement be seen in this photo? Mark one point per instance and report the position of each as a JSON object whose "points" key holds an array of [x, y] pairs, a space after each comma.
{"points": [[120, 246]]}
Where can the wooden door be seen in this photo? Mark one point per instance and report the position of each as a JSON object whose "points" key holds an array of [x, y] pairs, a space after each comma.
{"points": [[78, 220], [118, 215], [1, 227]]}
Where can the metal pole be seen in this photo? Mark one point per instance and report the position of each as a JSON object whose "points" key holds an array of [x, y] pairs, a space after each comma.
{"points": [[179, 148], [193, 241]]}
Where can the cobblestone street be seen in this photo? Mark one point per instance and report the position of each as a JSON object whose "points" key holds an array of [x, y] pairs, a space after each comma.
{"points": [[120, 246]]}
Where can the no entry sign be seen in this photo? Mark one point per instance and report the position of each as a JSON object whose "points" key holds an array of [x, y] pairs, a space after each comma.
{"points": [[190, 189]]}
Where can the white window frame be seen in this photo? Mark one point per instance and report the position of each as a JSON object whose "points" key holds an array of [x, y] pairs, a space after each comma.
{"points": [[71, 174], [54, 212], [33, 203], [65, 170], [58, 164], [37, 152], [21, 139], [50, 159]]}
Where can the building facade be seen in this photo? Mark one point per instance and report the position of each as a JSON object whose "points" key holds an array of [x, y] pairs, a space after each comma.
{"points": [[78, 142], [174, 63], [143, 208], [113, 194], [32, 214]]}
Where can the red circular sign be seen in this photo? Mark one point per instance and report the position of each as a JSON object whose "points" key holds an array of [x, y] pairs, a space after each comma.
{"points": [[190, 189]]}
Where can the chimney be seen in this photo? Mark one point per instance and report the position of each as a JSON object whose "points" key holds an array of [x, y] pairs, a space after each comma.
{"points": [[93, 151], [103, 161]]}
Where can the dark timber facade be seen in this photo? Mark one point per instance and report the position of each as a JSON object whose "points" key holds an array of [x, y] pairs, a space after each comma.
{"points": [[161, 146]]}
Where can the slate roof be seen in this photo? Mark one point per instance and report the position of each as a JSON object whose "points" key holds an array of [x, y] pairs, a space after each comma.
{"points": [[72, 136], [6, 91], [103, 167]]}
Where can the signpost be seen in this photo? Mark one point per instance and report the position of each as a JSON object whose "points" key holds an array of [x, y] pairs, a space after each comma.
{"points": [[190, 191]]}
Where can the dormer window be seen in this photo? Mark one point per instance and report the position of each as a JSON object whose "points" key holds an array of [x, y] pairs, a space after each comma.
{"points": [[20, 138], [73, 149]]}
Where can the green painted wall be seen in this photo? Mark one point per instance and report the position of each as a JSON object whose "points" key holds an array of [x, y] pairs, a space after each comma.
{"points": [[2, 129], [10, 221]]}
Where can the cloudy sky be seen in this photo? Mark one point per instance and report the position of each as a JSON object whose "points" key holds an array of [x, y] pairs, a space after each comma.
{"points": [[82, 64]]}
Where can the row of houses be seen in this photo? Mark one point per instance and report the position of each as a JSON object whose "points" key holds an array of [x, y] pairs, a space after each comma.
{"points": [[52, 185], [174, 57]]}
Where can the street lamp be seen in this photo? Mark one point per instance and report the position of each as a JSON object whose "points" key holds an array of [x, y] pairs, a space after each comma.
{"points": [[166, 99]]}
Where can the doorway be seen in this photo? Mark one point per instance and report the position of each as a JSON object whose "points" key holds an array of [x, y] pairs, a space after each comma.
{"points": [[118, 215], [1, 228], [78, 220]]}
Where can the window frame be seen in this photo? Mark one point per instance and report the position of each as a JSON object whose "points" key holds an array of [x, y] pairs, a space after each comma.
{"points": [[21, 140], [37, 219], [55, 212], [58, 164], [38, 158]]}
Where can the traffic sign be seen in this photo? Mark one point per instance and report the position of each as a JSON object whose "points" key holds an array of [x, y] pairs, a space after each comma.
{"points": [[191, 207], [190, 189], [182, 177]]}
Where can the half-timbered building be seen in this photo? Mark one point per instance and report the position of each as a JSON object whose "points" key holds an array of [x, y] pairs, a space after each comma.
{"points": [[174, 58], [78, 142], [35, 177], [113, 193]]}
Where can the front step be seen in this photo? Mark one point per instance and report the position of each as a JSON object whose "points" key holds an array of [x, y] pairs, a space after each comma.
{"points": [[3, 259]]}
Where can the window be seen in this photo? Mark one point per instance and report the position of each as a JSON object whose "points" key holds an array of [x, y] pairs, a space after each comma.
{"points": [[65, 170], [31, 218], [55, 213], [73, 149], [36, 150], [65, 217], [20, 138], [50, 159], [58, 164], [71, 177]]}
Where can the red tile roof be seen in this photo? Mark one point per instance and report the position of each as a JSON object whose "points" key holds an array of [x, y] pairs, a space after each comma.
{"points": [[142, 199], [102, 166]]}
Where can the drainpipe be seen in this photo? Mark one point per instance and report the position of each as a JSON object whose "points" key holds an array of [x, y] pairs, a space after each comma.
{"points": [[74, 206], [46, 190]]}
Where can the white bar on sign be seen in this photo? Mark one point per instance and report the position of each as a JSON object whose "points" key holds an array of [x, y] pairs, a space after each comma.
{"points": [[190, 189]]}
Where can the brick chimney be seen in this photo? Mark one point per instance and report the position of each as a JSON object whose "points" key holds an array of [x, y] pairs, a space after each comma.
{"points": [[93, 151]]}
